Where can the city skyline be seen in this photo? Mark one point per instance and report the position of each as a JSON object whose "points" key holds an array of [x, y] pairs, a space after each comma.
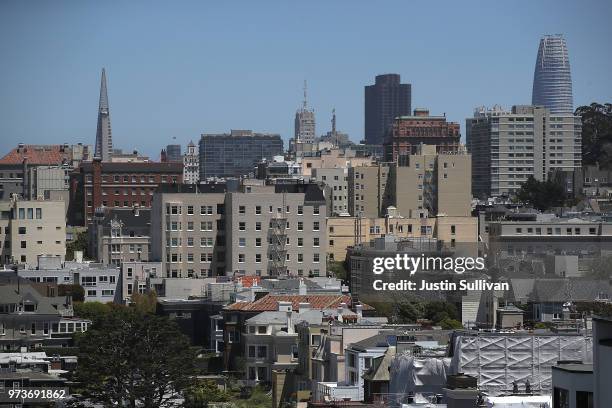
{"points": [[187, 93]]}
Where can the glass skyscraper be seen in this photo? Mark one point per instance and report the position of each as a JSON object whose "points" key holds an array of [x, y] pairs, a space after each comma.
{"points": [[552, 80]]}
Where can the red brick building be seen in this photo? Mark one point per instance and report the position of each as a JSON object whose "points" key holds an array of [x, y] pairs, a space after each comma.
{"points": [[116, 185], [408, 132]]}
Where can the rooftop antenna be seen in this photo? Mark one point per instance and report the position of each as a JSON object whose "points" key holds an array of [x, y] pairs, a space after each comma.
{"points": [[305, 103]]}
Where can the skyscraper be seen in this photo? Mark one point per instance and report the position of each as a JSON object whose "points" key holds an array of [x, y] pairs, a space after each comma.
{"points": [[384, 101], [173, 153], [104, 136], [552, 81], [304, 122]]}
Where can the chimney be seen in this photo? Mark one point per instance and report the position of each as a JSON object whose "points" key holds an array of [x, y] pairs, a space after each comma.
{"points": [[304, 306], [290, 329], [303, 289], [136, 210], [359, 310]]}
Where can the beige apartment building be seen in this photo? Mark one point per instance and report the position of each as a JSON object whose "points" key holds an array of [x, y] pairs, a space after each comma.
{"points": [[276, 230], [343, 232], [429, 183], [333, 158], [265, 230], [29, 228], [188, 231]]}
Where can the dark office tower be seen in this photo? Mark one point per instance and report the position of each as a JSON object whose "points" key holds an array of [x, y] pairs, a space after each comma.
{"points": [[236, 154], [173, 153], [104, 136], [384, 101], [552, 80]]}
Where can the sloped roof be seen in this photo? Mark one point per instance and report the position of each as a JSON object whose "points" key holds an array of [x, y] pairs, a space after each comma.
{"points": [[36, 154], [380, 370], [270, 302]]}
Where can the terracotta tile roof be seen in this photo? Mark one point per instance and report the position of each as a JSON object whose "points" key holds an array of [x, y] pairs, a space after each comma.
{"points": [[36, 154], [317, 302]]}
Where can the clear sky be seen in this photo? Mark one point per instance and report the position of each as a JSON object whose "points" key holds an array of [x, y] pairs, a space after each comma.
{"points": [[180, 68]]}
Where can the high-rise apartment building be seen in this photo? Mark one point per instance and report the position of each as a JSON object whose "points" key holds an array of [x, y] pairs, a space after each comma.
{"points": [[509, 146], [304, 123], [387, 99], [408, 132], [552, 80], [104, 136], [191, 164], [237, 153]]}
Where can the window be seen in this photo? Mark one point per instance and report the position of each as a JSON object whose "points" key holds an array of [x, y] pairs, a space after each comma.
{"points": [[315, 210], [22, 230], [257, 258], [242, 226], [257, 242], [315, 226], [315, 258], [258, 210], [300, 210], [258, 226], [241, 209], [190, 210], [300, 241], [241, 258], [315, 241], [241, 242]]}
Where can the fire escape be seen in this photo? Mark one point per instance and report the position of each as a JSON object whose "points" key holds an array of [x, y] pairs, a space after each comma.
{"points": [[277, 240]]}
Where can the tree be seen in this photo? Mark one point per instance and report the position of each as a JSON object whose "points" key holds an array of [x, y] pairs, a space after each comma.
{"points": [[596, 134], [200, 394], [145, 302], [437, 311], [135, 359], [541, 194], [450, 324], [79, 243]]}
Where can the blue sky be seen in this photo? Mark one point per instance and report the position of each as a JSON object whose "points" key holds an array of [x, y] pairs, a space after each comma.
{"points": [[177, 69]]}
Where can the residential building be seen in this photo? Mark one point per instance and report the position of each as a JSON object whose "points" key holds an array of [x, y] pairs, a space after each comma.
{"points": [[335, 181], [304, 123], [426, 183], [276, 230], [197, 319], [173, 153], [191, 164], [46, 169], [33, 316], [188, 230], [552, 80], [136, 277], [407, 133], [236, 154], [30, 228], [387, 99], [236, 315], [117, 185], [543, 240], [104, 136], [343, 232], [100, 283], [118, 235], [333, 158], [509, 147]]}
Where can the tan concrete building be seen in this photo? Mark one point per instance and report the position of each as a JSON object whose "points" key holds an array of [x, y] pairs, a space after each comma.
{"points": [[428, 183], [343, 232], [31, 228], [333, 158], [188, 230]]}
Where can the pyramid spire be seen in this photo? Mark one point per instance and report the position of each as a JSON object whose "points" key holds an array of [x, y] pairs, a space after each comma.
{"points": [[104, 138]]}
